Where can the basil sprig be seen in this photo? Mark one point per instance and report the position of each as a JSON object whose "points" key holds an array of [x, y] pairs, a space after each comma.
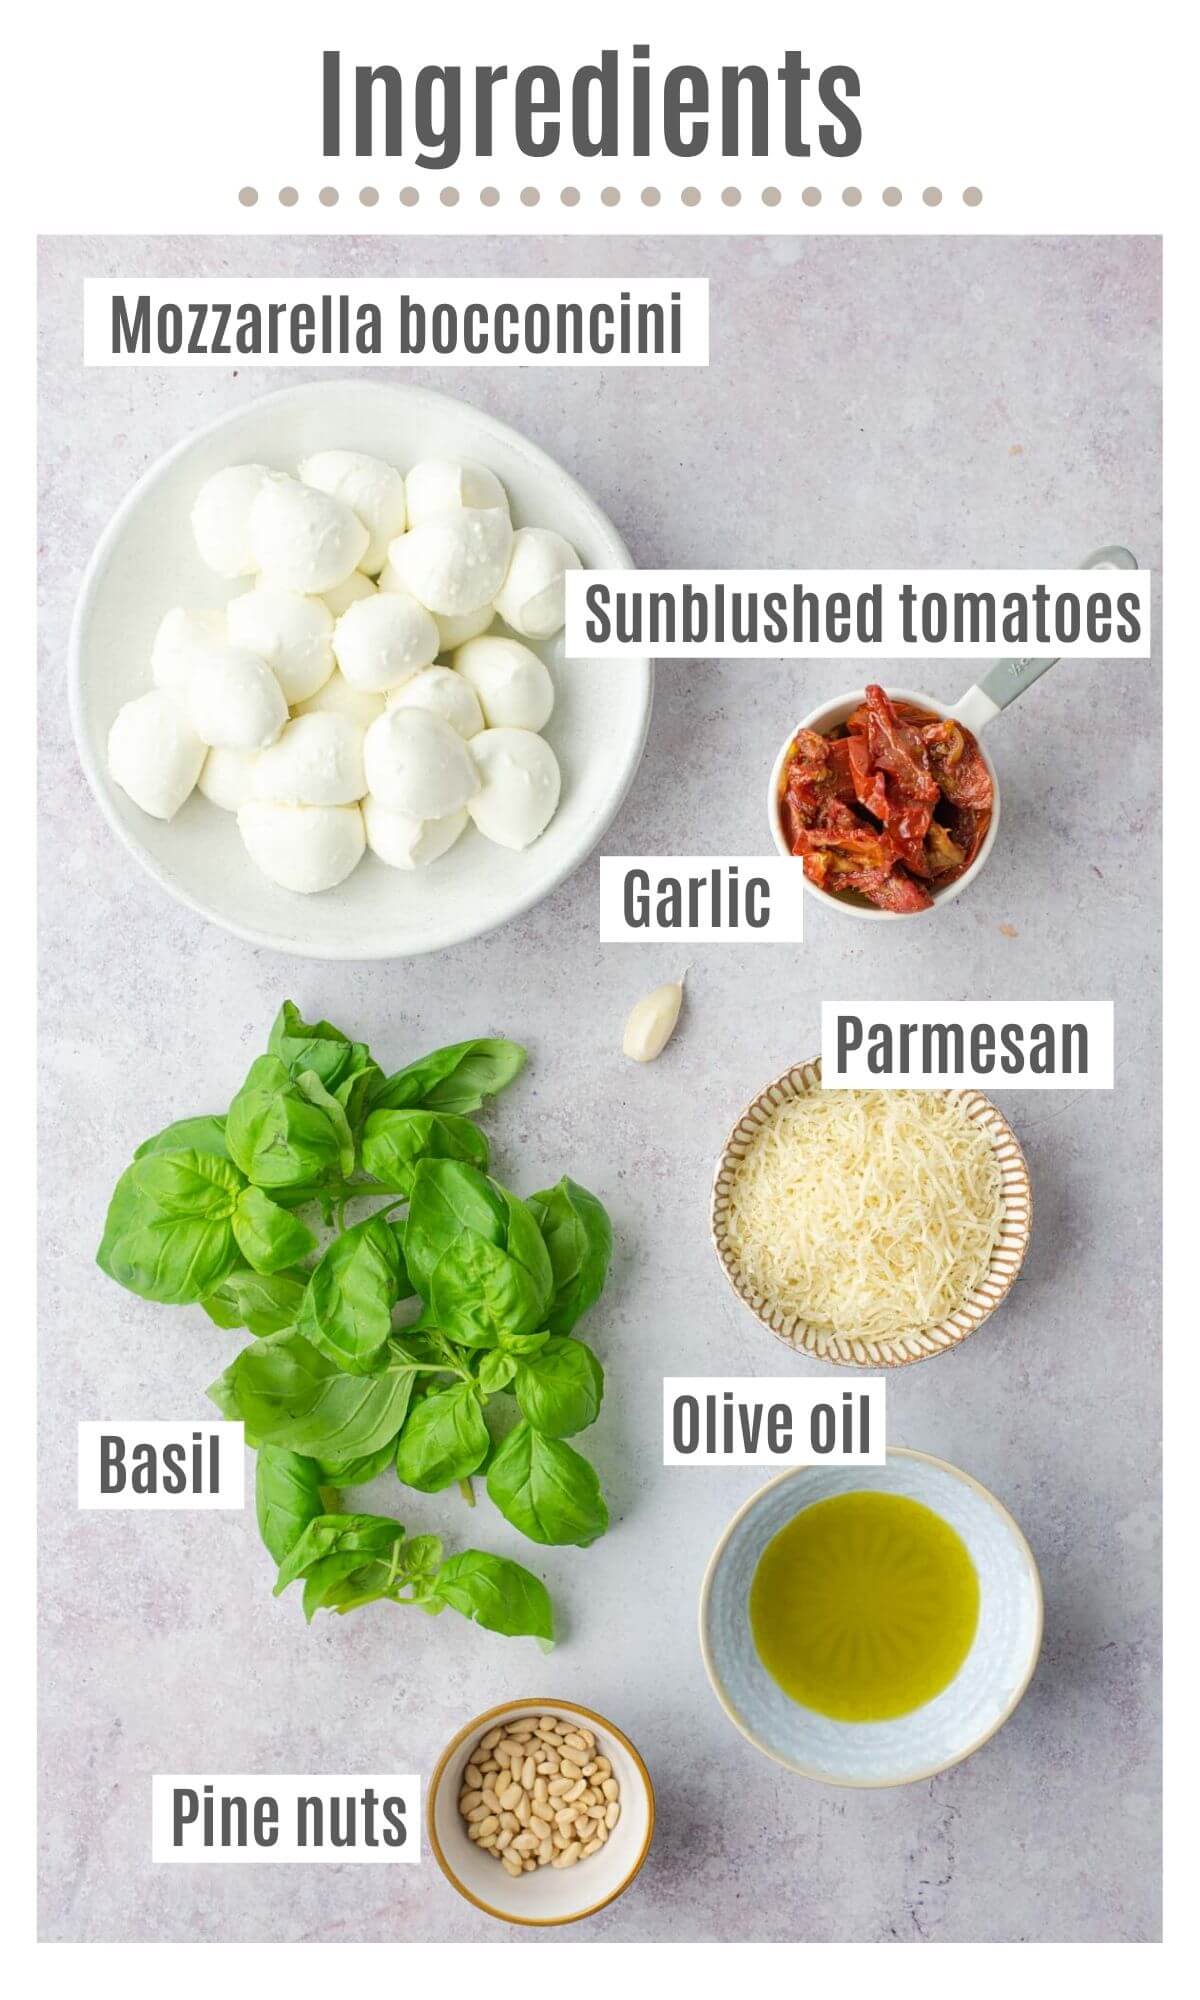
{"points": [[341, 1382]]}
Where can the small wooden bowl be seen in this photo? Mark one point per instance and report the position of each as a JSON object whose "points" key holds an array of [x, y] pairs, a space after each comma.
{"points": [[898, 1349]]}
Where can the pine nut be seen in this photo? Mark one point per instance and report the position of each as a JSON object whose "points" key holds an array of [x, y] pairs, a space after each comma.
{"points": [[538, 1793]]}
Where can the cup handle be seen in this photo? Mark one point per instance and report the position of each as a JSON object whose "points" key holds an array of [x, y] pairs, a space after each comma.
{"points": [[1002, 683]]}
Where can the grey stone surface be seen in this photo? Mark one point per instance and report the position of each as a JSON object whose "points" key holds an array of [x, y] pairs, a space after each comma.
{"points": [[869, 402]]}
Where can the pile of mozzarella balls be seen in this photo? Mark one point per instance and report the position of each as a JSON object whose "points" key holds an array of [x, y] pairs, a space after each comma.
{"points": [[355, 695]]}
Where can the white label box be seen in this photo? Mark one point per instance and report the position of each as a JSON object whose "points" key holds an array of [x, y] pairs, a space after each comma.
{"points": [[953, 1044], [127, 1464], [207, 1818]]}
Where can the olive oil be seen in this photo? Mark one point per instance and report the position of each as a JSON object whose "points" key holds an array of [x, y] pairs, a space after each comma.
{"points": [[864, 1606]]}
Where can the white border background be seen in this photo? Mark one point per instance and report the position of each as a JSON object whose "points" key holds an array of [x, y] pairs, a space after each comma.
{"points": [[140, 118]]}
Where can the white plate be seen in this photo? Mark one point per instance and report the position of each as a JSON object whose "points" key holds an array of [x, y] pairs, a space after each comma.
{"points": [[146, 561]]}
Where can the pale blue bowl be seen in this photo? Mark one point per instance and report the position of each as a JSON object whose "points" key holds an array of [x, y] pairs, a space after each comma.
{"points": [[982, 1695]]}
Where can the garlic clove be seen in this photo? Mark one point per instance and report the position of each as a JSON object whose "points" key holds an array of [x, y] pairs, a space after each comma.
{"points": [[652, 1022]]}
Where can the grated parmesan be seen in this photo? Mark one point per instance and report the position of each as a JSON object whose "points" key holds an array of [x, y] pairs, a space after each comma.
{"points": [[867, 1212]]}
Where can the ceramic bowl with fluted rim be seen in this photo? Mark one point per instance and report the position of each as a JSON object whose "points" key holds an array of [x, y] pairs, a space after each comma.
{"points": [[549, 1896], [958, 1721], [918, 1343]]}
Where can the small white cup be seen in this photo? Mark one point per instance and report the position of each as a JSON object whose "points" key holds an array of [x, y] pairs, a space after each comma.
{"points": [[979, 706]]}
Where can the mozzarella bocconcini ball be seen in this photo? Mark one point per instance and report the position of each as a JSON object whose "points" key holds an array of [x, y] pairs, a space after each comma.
{"points": [[175, 643], [454, 632], [227, 779], [437, 485], [416, 764], [337, 697], [513, 685], [519, 786], [233, 700], [531, 598], [293, 634], [454, 563], [318, 761], [221, 517], [451, 631], [404, 842], [442, 692], [305, 540], [383, 640], [154, 754], [343, 595], [305, 848], [370, 487]]}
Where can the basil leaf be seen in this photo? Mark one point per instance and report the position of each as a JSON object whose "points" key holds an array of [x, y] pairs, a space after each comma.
{"points": [[309, 1084], [354, 1092], [347, 1309], [263, 1303], [546, 1490], [578, 1236], [559, 1390], [497, 1593], [444, 1439], [337, 1547], [419, 1558], [201, 1135], [358, 1471], [475, 1254], [188, 1184], [287, 1496], [517, 1344], [291, 1394], [394, 1142], [168, 1234], [478, 1291], [282, 1135], [496, 1371], [318, 1046], [447, 1198], [457, 1078], [268, 1237]]}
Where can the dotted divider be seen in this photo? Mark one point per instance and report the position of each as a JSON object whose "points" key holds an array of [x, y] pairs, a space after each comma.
{"points": [[610, 197]]}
